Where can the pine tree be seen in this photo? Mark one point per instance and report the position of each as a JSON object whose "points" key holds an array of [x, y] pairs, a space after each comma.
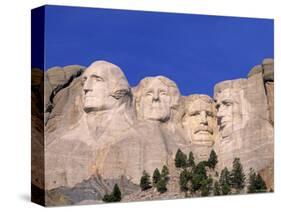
{"points": [[161, 185], [180, 159], [190, 161], [200, 168], [225, 181], [252, 181], [165, 172], [260, 184], [237, 175], [108, 198], [156, 177], [206, 186], [198, 176], [213, 159], [115, 196], [256, 183], [145, 181], [217, 190], [116, 193], [185, 177]]}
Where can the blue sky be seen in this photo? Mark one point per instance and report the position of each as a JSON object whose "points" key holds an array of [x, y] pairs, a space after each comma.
{"points": [[196, 51]]}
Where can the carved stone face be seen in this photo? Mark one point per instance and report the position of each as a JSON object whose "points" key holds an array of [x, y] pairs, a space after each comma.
{"points": [[156, 101], [228, 111], [199, 122], [101, 82]]}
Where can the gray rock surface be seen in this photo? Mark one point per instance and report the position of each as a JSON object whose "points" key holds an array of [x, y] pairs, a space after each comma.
{"points": [[56, 79], [245, 121]]}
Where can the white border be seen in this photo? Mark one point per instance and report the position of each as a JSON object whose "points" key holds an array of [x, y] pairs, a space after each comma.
{"points": [[15, 102]]}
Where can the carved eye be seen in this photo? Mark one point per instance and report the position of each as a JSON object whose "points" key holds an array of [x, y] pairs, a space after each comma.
{"points": [[83, 80], [228, 104], [148, 94], [210, 114], [195, 113], [163, 93], [217, 106], [97, 79]]}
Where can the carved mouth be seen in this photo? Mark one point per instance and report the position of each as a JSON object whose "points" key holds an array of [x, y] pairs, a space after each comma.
{"points": [[156, 106], [204, 130]]}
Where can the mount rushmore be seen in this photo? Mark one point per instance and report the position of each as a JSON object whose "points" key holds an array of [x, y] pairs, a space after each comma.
{"points": [[96, 124]]}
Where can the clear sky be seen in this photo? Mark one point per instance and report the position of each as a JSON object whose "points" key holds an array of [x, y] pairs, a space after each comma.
{"points": [[196, 51]]}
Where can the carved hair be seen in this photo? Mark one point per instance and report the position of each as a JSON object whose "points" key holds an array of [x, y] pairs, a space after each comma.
{"points": [[188, 100], [237, 88], [120, 88], [230, 84]]}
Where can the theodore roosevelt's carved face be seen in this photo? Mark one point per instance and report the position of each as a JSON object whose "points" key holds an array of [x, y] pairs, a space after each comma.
{"points": [[199, 121], [156, 101]]}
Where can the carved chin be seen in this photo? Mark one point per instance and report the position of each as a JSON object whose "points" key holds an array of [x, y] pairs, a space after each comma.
{"points": [[157, 116], [93, 108], [204, 139]]}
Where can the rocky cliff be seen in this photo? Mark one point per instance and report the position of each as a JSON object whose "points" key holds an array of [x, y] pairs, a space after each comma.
{"points": [[95, 124]]}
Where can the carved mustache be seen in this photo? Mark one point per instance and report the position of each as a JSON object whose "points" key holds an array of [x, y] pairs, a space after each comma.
{"points": [[203, 128]]}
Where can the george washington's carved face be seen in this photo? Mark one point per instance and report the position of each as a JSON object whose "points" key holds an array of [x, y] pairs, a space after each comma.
{"points": [[100, 83], [156, 101], [199, 121]]}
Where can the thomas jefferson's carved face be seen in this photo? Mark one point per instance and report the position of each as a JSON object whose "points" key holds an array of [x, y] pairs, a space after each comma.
{"points": [[156, 101], [97, 90], [199, 122], [228, 111]]}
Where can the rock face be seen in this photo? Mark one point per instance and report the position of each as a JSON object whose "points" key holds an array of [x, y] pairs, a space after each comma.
{"points": [[199, 124], [90, 191], [245, 112], [112, 131], [98, 129], [55, 80]]}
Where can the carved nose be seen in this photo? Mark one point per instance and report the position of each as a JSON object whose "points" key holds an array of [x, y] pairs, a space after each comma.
{"points": [[86, 91], [203, 117], [155, 96], [219, 116], [219, 113], [87, 86]]}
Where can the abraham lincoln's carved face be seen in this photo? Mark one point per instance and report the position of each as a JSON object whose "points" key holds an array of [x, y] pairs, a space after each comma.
{"points": [[228, 111]]}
